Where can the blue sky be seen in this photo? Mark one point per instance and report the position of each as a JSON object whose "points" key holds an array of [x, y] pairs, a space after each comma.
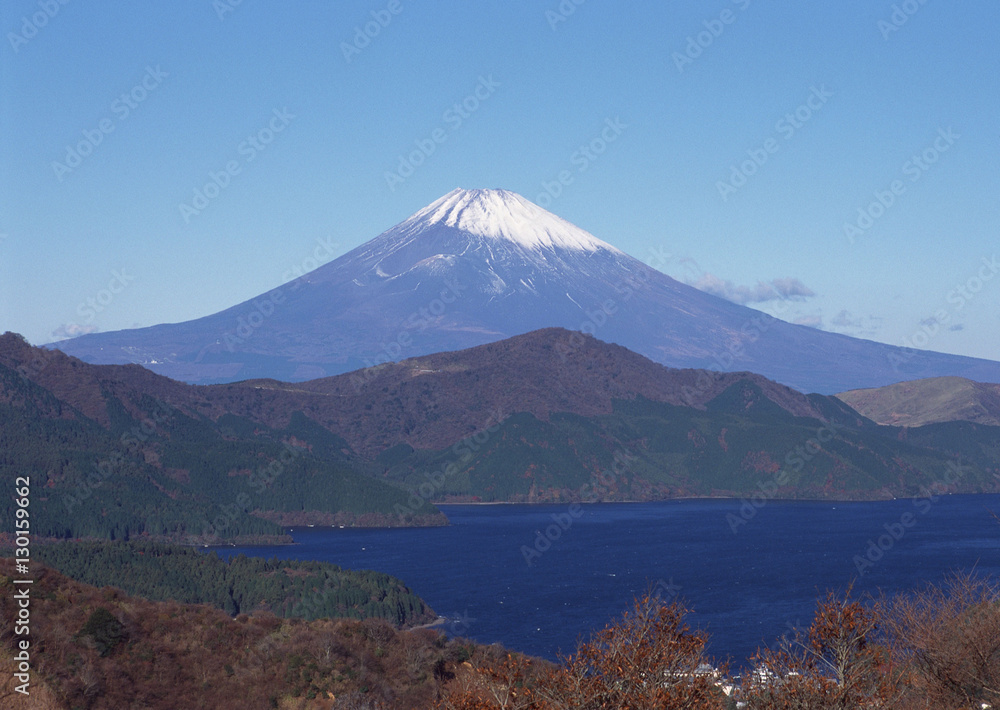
{"points": [[747, 134]]}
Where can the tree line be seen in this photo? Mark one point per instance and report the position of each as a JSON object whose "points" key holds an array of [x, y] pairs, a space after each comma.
{"points": [[287, 588], [933, 649]]}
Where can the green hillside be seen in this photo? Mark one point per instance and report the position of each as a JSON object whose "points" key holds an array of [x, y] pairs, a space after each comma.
{"points": [[155, 471], [286, 588], [645, 450], [928, 401]]}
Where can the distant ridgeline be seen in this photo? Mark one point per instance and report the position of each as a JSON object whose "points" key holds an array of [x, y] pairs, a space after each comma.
{"points": [[286, 588], [108, 458], [120, 453], [741, 444]]}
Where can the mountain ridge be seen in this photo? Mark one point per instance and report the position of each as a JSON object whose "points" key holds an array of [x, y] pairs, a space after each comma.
{"points": [[477, 266], [417, 400], [520, 420], [928, 401], [146, 463]]}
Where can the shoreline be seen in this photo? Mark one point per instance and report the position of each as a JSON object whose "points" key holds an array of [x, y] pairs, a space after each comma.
{"points": [[695, 498], [678, 499], [4, 543]]}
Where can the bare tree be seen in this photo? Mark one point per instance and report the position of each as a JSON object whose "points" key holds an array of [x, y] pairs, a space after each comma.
{"points": [[837, 663], [949, 636], [648, 659], [504, 682]]}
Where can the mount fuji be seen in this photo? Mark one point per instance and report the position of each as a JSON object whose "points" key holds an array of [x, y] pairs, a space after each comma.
{"points": [[477, 266]]}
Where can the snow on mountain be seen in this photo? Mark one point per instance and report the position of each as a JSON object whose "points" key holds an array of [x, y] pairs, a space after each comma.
{"points": [[504, 216], [498, 229], [477, 266]]}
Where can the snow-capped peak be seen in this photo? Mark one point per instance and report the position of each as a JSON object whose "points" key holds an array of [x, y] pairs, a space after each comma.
{"points": [[503, 215]]}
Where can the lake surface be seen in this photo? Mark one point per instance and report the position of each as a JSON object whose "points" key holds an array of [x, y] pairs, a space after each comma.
{"points": [[747, 587]]}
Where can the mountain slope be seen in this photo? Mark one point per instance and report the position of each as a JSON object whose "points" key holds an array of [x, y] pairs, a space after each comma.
{"points": [[242, 585], [516, 421], [434, 400], [647, 450], [100, 648], [928, 401], [140, 466], [477, 266], [428, 402]]}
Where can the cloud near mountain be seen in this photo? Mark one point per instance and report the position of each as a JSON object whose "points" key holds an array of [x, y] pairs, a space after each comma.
{"points": [[477, 266], [762, 292], [72, 330]]}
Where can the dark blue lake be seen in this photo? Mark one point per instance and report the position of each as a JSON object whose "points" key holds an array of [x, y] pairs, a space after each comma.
{"points": [[746, 587]]}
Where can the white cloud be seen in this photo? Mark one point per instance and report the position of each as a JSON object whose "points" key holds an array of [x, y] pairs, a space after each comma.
{"points": [[792, 288], [845, 319], [778, 289], [859, 326], [72, 330], [811, 321]]}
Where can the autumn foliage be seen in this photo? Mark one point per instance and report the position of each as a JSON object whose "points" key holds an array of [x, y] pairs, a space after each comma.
{"points": [[837, 663], [936, 649], [649, 658], [948, 639], [99, 649]]}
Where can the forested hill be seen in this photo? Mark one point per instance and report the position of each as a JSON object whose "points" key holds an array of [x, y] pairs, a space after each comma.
{"points": [[540, 417], [931, 401], [108, 457], [286, 588], [101, 648]]}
